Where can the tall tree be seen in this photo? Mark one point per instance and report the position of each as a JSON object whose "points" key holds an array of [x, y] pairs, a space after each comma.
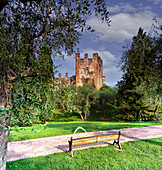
{"points": [[139, 63], [30, 26]]}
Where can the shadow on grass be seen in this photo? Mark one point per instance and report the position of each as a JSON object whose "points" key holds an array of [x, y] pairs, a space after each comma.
{"points": [[130, 137], [62, 117], [153, 142]]}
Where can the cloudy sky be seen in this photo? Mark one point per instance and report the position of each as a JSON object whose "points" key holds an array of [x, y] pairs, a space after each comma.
{"points": [[126, 18]]}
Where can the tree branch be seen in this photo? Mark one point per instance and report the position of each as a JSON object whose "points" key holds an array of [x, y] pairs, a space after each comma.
{"points": [[40, 46], [22, 74]]}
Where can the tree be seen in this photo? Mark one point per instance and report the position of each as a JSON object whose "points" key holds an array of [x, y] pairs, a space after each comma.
{"points": [[45, 63], [85, 96], [140, 64], [106, 97], [150, 98], [29, 27], [65, 96]]}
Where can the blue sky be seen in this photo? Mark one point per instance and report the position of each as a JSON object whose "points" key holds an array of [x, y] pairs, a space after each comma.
{"points": [[126, 18]]}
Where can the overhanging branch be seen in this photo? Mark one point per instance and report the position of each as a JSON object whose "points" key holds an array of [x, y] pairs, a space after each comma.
{"points": [[22, 74]]}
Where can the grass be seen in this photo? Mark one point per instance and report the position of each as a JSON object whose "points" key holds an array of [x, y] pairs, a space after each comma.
{"points": [[64, 128], [136, 155]]}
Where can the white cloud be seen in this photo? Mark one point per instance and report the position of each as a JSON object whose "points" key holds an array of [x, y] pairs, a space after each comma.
{"points": [[127, 8], [123, 26], [105, 55], [114, 9], [142, 7], [112, 74], [121, 7], [155, 1]]}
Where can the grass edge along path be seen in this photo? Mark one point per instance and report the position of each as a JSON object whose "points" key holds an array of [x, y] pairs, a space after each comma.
{"points": [[139, 154], [65, 128]]}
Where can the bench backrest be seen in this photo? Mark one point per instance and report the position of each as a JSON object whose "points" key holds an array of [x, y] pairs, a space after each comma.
{"points": [[94, 139]]}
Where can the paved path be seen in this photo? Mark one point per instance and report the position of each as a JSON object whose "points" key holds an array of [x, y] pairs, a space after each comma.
{"points": [[44, 146]]}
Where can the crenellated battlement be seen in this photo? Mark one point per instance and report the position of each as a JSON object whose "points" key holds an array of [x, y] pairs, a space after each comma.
{"points": [[66, 78]]}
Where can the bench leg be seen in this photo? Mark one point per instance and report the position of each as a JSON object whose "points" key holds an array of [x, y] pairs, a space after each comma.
{"points": [[118, 141], [114, 142], [72, 154], [119, 146], [70, 147]]}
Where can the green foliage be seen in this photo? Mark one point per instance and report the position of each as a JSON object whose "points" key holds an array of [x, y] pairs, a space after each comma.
{"points": [[64, 116], [26, 104], [65, 96], [45, 63], [140, 154], [33, 101], [85, 96], [107, 99], [150, 97], [140, 64]]}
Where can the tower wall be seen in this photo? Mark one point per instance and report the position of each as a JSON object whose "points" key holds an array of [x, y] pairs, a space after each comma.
{"points": [[90, 71]]}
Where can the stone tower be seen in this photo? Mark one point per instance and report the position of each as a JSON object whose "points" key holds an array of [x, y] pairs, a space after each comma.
{"points": [[90, 71]]}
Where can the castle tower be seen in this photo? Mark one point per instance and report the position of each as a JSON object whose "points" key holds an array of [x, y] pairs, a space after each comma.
{"points": [[90, 71]]}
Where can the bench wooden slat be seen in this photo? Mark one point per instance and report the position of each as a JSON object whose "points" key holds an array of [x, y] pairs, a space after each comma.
{"points": [[85, 138], [94, 139], [83, 141], [107, 137]]}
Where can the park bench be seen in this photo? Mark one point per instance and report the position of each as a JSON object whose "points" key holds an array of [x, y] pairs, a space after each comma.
{"points": [[94, 139]]}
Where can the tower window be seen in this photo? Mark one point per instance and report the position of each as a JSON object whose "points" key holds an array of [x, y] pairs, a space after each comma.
{"points": [[86, 71]]}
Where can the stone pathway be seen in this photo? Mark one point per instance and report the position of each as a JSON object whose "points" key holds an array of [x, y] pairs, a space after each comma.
{"points": [[45, 146]]}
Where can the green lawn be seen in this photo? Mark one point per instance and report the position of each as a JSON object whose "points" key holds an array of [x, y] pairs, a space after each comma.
{"points": [[64, 128], [136, 155]]}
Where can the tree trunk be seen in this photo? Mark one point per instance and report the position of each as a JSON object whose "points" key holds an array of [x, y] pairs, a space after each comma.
{"points": [[81, 116], [137, 115], [157, 119], [85, 116], [4, 134], [4, 130], [104, 113]]}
